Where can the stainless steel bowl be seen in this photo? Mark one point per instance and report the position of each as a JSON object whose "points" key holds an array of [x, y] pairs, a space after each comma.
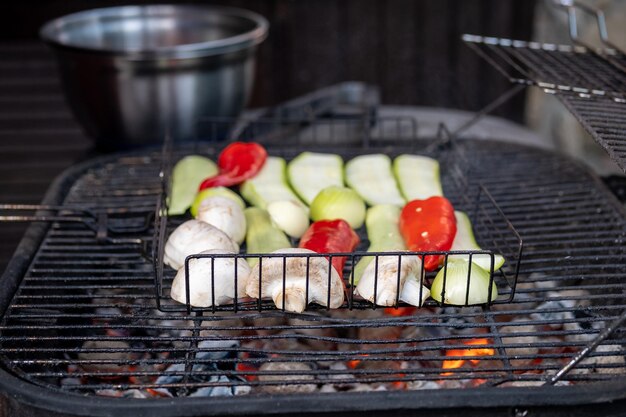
{"points": [[133, 74]]}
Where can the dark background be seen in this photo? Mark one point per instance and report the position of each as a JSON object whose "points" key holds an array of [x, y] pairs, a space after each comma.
{"points": [[410, 48]]}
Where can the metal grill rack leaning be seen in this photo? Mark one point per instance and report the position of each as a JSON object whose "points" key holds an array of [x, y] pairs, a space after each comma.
{"points": [[393, 137]]}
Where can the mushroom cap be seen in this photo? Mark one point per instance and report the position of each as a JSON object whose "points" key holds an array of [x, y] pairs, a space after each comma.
{"points": [[295, 273], [225, 214], [386, 281], [203, 279], [195, 236]]}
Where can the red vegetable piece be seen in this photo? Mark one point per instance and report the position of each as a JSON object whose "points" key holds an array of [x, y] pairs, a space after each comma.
{"points": [[238, 162], [331, 236], [428, 225]]}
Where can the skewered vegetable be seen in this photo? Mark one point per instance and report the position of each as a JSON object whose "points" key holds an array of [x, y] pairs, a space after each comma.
{"points": [[384, 277], [328, 236], [238, 162], [225, 214], [310, 172], [383, 233], [187, 176], [195, 236], [296, 270], [456, 288], [417, 176], [339, 203], [428, 225], [212, 192], [262, 236], [206, 275], [371, 177], [465, 240]]}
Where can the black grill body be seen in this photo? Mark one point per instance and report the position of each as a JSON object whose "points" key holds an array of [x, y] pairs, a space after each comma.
{"points": [[56, 296]]}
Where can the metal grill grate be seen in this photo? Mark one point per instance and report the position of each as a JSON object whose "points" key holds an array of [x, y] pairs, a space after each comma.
{"points": [[592, 84], [84, 319]]}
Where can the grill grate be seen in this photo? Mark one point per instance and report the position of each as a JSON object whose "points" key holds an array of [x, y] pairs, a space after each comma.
{"points": [[591, 84], [84, 319]]}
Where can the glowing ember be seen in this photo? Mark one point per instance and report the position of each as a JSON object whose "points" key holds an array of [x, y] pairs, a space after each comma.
{"points": [[353, 364], [457, 363], [400, 311], [244, 367]]}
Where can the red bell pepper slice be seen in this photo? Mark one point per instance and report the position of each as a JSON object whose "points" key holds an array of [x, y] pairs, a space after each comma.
{"points": [[331, 236], [428, 225], [238, 162]]}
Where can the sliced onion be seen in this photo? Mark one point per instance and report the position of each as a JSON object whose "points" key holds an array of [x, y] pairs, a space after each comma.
{"points": [[456, 284], [339, 203]]}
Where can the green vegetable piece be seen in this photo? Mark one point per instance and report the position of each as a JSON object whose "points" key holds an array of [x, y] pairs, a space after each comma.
{"points": [[465, 240], [187, 175], [310, 172], [269, 185], [417, 176], [262, 236], [339, 203], [212, 192], [456, 284], [383, 233], [371, 177]]}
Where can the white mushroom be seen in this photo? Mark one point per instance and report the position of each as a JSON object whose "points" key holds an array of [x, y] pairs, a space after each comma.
{"points": [[387, 281], [225, 214], [203, 278], [295, 273], [195, 236]]}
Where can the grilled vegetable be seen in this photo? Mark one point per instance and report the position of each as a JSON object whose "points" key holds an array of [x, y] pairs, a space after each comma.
{"points": [[187, 176], [225, 214], [428, 225], [212, 192], [371, 177], [456, 284], [195, 236], [262, 235], [296, 270], [417, 176], [339, 203], [464, 240], [383, 233], [310, 172], [328, 236], [206, 275], [289, 216], [271, 186], [385, 276], [238, 162]]}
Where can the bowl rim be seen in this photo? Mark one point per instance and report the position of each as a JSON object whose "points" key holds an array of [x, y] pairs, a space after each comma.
{"points": [[49, 31]]}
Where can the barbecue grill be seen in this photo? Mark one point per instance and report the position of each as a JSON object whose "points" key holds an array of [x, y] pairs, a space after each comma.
{"points": [[87, 316]]}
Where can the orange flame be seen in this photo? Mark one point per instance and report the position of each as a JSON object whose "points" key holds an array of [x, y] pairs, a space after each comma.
{"points": [[457, 363]]}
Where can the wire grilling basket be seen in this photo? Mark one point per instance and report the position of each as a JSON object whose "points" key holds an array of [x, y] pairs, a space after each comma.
{"points": [[349, 138]]}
